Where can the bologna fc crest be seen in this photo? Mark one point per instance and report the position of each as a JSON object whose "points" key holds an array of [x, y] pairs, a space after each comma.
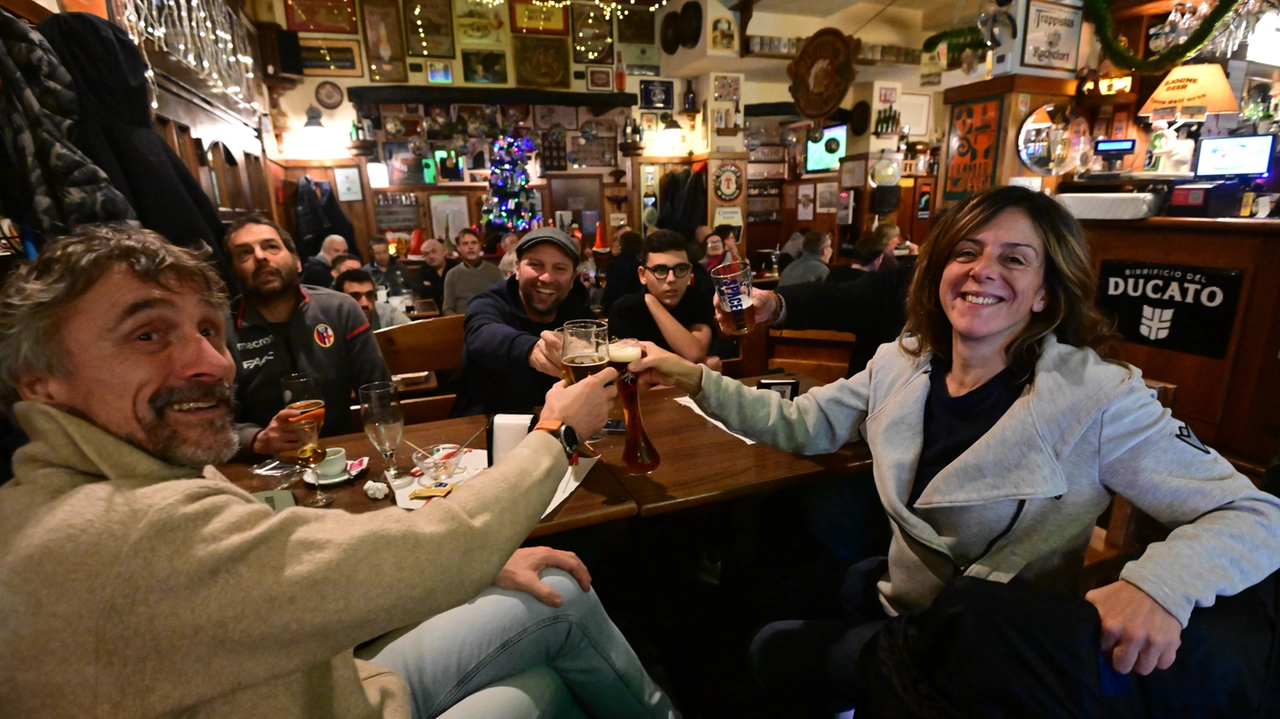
{"points": [[323, 335]]}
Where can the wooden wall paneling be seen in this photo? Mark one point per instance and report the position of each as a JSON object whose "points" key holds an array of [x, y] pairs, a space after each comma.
{"points": [[1229, 403]]}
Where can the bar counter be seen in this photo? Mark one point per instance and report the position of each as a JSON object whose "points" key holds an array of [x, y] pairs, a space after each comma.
{"points": [[1233, 403]]}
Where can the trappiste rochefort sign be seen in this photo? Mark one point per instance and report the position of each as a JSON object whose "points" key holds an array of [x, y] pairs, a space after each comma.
{"points": [[1174, 307]]}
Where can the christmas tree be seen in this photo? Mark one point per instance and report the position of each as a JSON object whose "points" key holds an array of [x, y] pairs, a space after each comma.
{"points": [[507, 204]]}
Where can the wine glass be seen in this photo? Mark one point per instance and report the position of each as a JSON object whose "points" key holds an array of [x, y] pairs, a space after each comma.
{"points": [[310, 455], [383, 421]]}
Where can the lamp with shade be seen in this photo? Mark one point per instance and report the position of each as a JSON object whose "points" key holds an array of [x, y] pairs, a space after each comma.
{"points": [[1189, 93]]}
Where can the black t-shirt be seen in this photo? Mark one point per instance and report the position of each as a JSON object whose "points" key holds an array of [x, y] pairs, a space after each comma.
{"points": [[953, 424], [629, 317]]}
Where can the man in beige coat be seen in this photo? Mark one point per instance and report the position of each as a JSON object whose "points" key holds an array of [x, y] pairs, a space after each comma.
{"points": [[134, 585]]}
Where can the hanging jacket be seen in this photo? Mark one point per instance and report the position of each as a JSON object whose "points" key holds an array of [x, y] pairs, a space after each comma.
{"points": [[60, 187], [318, 215], [115, 131]]}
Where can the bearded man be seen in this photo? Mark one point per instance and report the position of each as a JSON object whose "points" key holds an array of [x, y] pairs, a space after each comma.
{"points": [[276, 328]]}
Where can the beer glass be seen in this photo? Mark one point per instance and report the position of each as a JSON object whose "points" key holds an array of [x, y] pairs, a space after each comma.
{"points": [[639, 456], [582, 349], [733, 291], [583, 353], [302, 393], [383, 421]]}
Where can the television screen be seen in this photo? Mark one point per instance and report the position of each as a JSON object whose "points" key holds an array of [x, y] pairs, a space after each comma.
{"points": [[818, 159], [1231, 156], [1105, 146]]}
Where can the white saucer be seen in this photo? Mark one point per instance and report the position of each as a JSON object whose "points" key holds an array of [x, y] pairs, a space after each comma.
{"points": [[326, 481]]}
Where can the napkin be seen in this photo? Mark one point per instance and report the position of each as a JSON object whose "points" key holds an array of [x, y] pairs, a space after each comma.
{"points": [[474, 461], [686, 401]]}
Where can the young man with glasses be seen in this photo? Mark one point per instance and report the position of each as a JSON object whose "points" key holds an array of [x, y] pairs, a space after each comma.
{"points": [[666, 313]]}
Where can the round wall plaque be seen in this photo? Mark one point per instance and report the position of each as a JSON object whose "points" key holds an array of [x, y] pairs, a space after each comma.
{"points": [[821, 74], [329, 95], [728, 182]]}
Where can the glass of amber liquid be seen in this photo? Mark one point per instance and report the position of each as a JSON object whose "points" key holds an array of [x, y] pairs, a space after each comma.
{"points": [[310, 454], [302, 393], [733, 291], [639, 456], [582, 353]]}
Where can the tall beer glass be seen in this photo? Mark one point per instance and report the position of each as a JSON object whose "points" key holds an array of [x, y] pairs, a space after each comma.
{"points": [[639, 456], [733, 290]]}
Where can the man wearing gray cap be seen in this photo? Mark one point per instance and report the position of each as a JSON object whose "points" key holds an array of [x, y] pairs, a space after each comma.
{"points": [[512, 354]]}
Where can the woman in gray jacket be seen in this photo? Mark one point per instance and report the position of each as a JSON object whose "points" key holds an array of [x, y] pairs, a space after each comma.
{"points": [[999, 432]]}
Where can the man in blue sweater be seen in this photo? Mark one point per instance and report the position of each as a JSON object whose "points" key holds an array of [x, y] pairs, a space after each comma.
{"points": [[512, 354]]}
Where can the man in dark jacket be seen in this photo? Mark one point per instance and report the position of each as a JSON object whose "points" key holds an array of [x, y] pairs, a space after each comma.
{"points": [[512, 354], [278, 328], [431, 275], [318, 270], [623, 277]]}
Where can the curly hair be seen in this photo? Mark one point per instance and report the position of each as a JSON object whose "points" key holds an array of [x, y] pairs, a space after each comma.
{"points": [[1070, 280], [35, 298]]}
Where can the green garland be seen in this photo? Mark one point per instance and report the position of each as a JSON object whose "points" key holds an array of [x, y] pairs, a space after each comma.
{"points": [[969, 36], [1122, 58]]}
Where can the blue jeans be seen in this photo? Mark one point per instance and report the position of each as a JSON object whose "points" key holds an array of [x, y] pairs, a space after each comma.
{"points": [[505, 654]]}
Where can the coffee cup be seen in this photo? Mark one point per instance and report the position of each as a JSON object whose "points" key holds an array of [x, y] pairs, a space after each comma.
{"points": [[334, 462]]}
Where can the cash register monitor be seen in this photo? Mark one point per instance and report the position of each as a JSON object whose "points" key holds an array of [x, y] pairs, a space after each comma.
{"points": [[1242, 156]]}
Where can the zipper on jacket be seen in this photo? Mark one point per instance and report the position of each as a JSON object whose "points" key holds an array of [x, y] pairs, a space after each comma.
{"points": [[1022, 503]]}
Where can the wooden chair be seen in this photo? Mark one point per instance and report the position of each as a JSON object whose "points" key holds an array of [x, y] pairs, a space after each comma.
{"points": [[433, 345], [416, 411], [821, 354], [1128, 529], [426, 307]]}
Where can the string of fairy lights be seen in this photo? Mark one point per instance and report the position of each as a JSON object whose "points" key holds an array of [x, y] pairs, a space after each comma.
{"points": [[204, 35]]}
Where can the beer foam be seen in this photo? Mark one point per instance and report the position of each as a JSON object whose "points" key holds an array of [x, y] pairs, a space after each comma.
{"points": [[624, 352]]}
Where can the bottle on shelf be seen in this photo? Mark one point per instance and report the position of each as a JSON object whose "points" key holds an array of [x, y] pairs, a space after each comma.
{"points": [[690, 103]]}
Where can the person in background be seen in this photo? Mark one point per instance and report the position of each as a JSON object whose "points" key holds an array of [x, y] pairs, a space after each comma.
{"points": [[344, 262], [795, 244], [616, 246], [508, 244], [386, 270], [512, 354], [277, 328], [623, 276], [729, 235], [469, 278], [507, 265], [1000, 433], [435, 266], [127, 561], [713, 246], [812, 265], [867, 255], [665, 312], [358, 285], [317, 270]]}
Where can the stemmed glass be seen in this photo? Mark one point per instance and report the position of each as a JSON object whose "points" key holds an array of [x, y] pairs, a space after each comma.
{"points": [[302, 393], [383, 421], [583, 352]]}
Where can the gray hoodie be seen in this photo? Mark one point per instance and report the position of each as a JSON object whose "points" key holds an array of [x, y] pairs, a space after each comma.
{"points": [[1023, 500]]}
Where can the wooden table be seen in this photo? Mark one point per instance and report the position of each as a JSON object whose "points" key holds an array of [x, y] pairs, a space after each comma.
{"points": [[702, 464], [600, 498]]}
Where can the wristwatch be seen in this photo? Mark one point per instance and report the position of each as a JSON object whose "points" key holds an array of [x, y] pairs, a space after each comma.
{"points": [[565, 434]]}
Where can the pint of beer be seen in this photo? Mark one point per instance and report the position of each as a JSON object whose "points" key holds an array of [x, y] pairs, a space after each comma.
{"points": [[639, 456], [578, 367], [733, 291]]}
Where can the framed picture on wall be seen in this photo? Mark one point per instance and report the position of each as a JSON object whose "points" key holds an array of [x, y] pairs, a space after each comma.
{"points": [[430, 28], [321, 16], [385, 39], [592, 35], [530, 18], [440, 73], [599, 78], [637, 28], [331, 58], [973, 147], [657, 95], [480, 24], [547, 116], [484, 67], [544, 61]]}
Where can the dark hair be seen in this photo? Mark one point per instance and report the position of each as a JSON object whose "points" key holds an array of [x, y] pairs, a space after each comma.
{"points": [[868, 248], [343, 257], [1070, 281], [356, 275], [257, 219], [663, 241], [814, 241], [37, 294], [468, 231], [379, 241], [727, 232], [631, 242]]}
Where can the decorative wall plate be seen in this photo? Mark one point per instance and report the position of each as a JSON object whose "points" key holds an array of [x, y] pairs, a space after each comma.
{"points": [[670, 33], [821, 74], [690, 24], [329, 95]]}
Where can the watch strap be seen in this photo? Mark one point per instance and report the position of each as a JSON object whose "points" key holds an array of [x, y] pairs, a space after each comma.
{"points": [[556, 429]]}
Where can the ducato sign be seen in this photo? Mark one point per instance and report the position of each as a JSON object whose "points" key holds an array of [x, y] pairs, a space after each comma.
{"points": [[1174, 307]]}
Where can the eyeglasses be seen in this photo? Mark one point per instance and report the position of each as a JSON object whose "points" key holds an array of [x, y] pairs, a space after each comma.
{"points": [[371, 295], [661, 271]]}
